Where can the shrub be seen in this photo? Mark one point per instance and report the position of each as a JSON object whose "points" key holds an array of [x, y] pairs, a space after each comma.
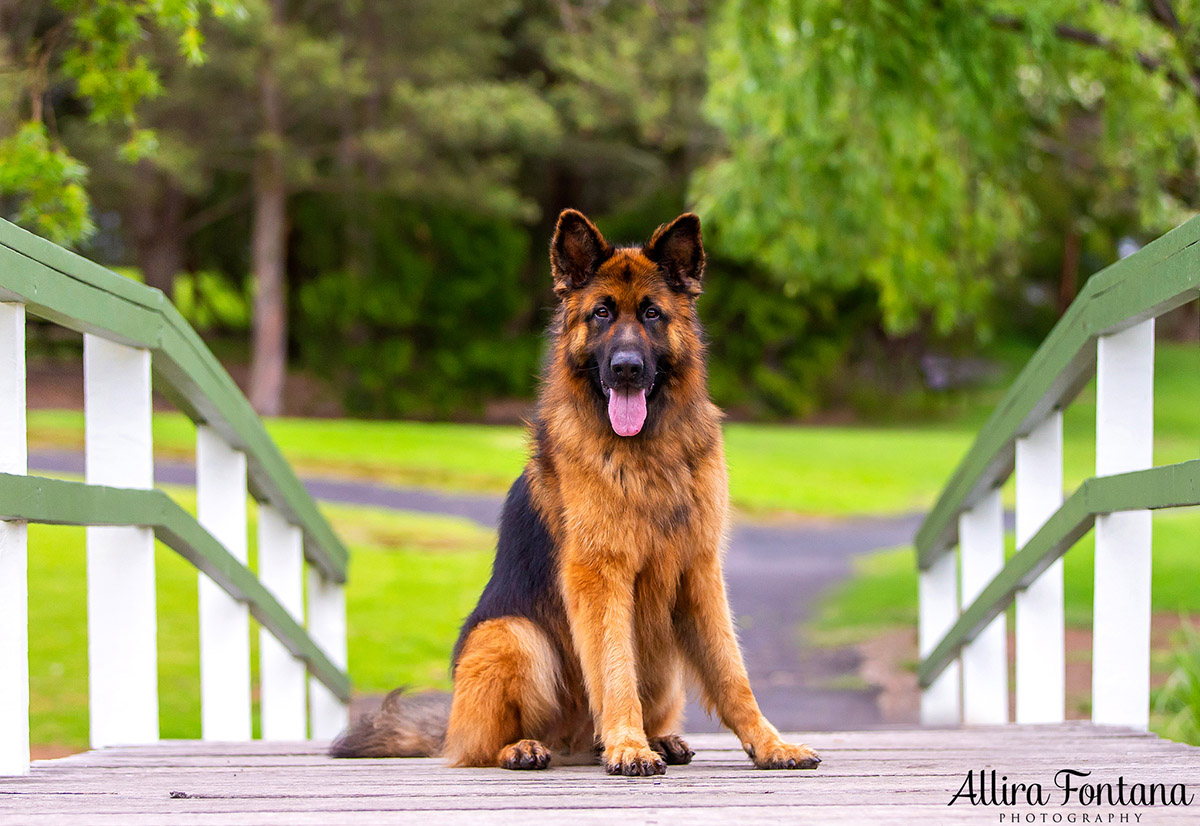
{"points": [[432, 318], [1178, 701]]}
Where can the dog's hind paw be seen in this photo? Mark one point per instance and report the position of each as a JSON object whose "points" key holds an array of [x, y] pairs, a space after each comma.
{"points": [[673, 749]]}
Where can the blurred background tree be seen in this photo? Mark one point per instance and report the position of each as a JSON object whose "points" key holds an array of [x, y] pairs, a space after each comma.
{"points": [[361, 192], [333, 105], [921, 148], [80, 58]]}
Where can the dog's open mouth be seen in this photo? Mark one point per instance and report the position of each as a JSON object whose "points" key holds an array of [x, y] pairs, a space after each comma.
{"points": [[626, 410]]}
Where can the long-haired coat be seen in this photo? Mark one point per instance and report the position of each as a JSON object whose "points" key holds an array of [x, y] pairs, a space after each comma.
{"points": [[606, 594]]}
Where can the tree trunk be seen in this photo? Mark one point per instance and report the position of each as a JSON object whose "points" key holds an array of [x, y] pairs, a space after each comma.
{"points": [[268, 366], [157, 223], [1068, 286]]}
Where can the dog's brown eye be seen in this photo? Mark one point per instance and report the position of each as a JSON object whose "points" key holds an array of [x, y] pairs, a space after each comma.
{"points": [[651, 312], [601, 312]]}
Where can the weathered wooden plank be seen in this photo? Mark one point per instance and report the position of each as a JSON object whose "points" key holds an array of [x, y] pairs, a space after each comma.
{"points": [[768, 814], [571, 789], [312, 781], [879, 744], [853, 749], [936, 776], [851, 807], [882, 759], [892, 776]]}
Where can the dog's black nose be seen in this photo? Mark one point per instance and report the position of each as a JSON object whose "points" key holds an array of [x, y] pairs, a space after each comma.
{"points": [[627, 366]]}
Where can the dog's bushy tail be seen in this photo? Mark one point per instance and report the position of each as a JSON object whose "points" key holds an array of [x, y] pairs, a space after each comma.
{"points": [[406, 725]]}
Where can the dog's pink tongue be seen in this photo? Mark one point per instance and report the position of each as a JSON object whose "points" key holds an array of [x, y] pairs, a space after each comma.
{"points": [[627, 411]]}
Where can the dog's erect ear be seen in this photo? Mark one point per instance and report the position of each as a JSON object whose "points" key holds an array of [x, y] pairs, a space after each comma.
{"points": [[576, 251], [676, 248]]}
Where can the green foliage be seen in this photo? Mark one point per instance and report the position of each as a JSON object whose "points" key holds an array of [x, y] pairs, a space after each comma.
{"points": [[428, 328], [629, 74], [205, 298], [876, 178], [896, 144], [406, 100], [48, 184], [208, 302], [1178, 701], [96, 48], [770, 354], [463, 145]]}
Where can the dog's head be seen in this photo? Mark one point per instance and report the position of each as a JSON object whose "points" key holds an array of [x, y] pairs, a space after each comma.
{"points": [[629, 316]]}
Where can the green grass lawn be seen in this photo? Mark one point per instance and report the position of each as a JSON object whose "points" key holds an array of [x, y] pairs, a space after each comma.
{"points": [[413, 578], [826, 471]]}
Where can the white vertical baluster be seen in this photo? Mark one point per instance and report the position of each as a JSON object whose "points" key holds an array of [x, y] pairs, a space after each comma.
{"points": [[14, 595], [281, 571], [224, 622], [1041, 658], [941, 702], [984, 659], [122, 624], [327, 627], [1124, 442]]}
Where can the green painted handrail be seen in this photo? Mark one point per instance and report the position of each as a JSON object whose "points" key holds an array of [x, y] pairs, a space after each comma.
{"points": [[57, 502], [62, 287], [1169, 486], [1161, 276]]}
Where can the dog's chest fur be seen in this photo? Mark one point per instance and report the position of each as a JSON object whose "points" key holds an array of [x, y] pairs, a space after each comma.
{"points": [[636, 501]]}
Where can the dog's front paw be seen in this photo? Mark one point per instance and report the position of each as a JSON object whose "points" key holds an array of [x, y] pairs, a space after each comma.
{"points": [[633, 760], [673, 748], [781, 755]]}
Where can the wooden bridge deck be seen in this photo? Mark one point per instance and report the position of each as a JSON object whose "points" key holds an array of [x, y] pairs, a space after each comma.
{"points": [[889, 776]]}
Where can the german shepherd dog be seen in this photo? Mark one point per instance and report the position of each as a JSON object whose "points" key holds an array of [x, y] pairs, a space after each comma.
{"points": [[607, 587]]}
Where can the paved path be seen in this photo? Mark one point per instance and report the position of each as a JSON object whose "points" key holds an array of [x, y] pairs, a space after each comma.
{"points": [[865, 778], [776, 573]]}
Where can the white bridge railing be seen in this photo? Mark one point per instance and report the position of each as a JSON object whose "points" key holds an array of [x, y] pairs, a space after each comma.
{"points": [[1107, 332], [131, 332]]}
